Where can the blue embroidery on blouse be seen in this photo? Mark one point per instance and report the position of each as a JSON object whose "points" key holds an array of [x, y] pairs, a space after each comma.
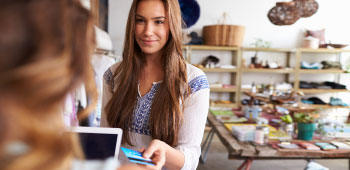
{"points": [[108, 76], [198, 83], [142, 111], [143, 107]]}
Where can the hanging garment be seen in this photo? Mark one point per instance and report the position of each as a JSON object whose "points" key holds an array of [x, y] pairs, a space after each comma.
{"points": [[100, 64]]}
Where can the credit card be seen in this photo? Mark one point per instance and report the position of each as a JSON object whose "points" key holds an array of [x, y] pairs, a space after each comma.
{"points": [[136, 157]]}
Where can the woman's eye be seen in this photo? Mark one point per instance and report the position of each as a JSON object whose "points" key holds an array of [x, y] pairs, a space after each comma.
{"points": [[139, 21], [159, 22]]}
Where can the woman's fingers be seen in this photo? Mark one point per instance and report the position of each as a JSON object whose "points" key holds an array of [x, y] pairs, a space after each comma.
{"points": [[141, 150]]}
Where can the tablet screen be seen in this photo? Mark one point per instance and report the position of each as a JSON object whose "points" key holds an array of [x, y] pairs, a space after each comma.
{"points": [[98, 146]]}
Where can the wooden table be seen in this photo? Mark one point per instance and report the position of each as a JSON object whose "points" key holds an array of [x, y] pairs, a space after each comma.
{"points": [[249, 152]]}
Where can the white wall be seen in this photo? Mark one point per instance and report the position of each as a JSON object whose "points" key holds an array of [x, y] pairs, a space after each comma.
{"points": [[332, 15]]}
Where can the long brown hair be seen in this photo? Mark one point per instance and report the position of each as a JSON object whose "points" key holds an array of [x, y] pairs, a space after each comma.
{"points": [[44, 54], [166, 112]]}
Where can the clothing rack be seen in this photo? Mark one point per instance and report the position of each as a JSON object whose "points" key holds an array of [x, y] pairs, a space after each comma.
{"points": [[110, 53]]}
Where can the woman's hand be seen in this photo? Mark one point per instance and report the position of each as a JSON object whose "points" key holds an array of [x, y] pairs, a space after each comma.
{"points": [[156, 152], [131, 167]]}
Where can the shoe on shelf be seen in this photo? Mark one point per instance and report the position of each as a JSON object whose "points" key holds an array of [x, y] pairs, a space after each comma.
{"points": [[337, 102], [316, 100], [334, 85], [305, 101]]}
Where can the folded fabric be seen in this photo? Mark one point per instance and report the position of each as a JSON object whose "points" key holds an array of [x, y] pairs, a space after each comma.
{"points": [[305, 85], [334, 85], [324, 85], [319, 85], [331, 65], [306, 65], [337, 102]]}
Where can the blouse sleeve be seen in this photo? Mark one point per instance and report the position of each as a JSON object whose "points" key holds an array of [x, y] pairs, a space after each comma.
{"points": [[108, 85], [195, 115]]}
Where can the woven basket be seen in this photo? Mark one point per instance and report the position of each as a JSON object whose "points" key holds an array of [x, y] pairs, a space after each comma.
{"points": [[223, 35]]}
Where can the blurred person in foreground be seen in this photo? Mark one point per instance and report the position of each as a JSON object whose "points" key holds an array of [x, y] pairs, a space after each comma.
{"points": [[45, 49]]}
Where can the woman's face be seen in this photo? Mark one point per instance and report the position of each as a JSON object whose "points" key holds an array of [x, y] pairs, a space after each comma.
{"points": [[152, 26]]}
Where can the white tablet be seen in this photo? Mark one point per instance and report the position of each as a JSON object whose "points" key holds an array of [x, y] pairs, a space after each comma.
{"points": [[99, 143]]}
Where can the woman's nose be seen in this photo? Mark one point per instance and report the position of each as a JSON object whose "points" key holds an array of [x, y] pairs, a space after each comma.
{"points": [[148, 29]]}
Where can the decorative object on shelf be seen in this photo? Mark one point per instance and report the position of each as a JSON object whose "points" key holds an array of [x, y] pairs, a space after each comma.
{"points": [[190, 12], [195, 39], [306, 7], [330, 45], [223, 34], [210, 61], [319, 34], [331, 65], [311, 42], [306, 124], [258, 43], [284, 13], [337, 102], [347, 69]]}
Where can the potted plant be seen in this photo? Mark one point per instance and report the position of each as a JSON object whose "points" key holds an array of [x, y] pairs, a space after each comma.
{"points": [[306, 124], [287, 125]]}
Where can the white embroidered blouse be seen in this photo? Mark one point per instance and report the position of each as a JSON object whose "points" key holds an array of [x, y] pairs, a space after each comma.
{"points": [[195, 115]]}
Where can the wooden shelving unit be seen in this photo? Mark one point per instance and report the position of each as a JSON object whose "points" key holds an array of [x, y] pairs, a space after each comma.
{"points": [[280, 50], [239, 70], [266, 70], [321, 71], [323, 50], [235, 72], [210, 48], [219, 70], [213, 89], [320, 106], [323, 90]]}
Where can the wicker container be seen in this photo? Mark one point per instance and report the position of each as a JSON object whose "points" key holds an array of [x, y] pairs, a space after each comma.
{"points": [[223, 35]]}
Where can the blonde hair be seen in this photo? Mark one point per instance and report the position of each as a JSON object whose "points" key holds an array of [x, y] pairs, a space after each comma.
{"points": [[45, 47], [166, 112]]}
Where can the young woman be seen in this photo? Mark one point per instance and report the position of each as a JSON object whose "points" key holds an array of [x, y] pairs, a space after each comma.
{"points": [[44, 54], [159, 101]]}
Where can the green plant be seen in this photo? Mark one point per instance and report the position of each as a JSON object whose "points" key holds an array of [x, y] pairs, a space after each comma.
{"points": [[260, 43], [309, 117], [287, 119]]}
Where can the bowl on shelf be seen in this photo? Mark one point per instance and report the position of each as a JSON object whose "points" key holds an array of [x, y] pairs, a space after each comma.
{"points": [[338, 45], [333, 45]]}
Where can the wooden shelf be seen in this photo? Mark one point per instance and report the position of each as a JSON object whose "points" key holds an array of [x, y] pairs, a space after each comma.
{"points": [[223, 89], [230, 105], [320, 71], [325, 106], [222, 70], [323, 90], [208, 47], [282, 50], [266, 70], [324, 50]]}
